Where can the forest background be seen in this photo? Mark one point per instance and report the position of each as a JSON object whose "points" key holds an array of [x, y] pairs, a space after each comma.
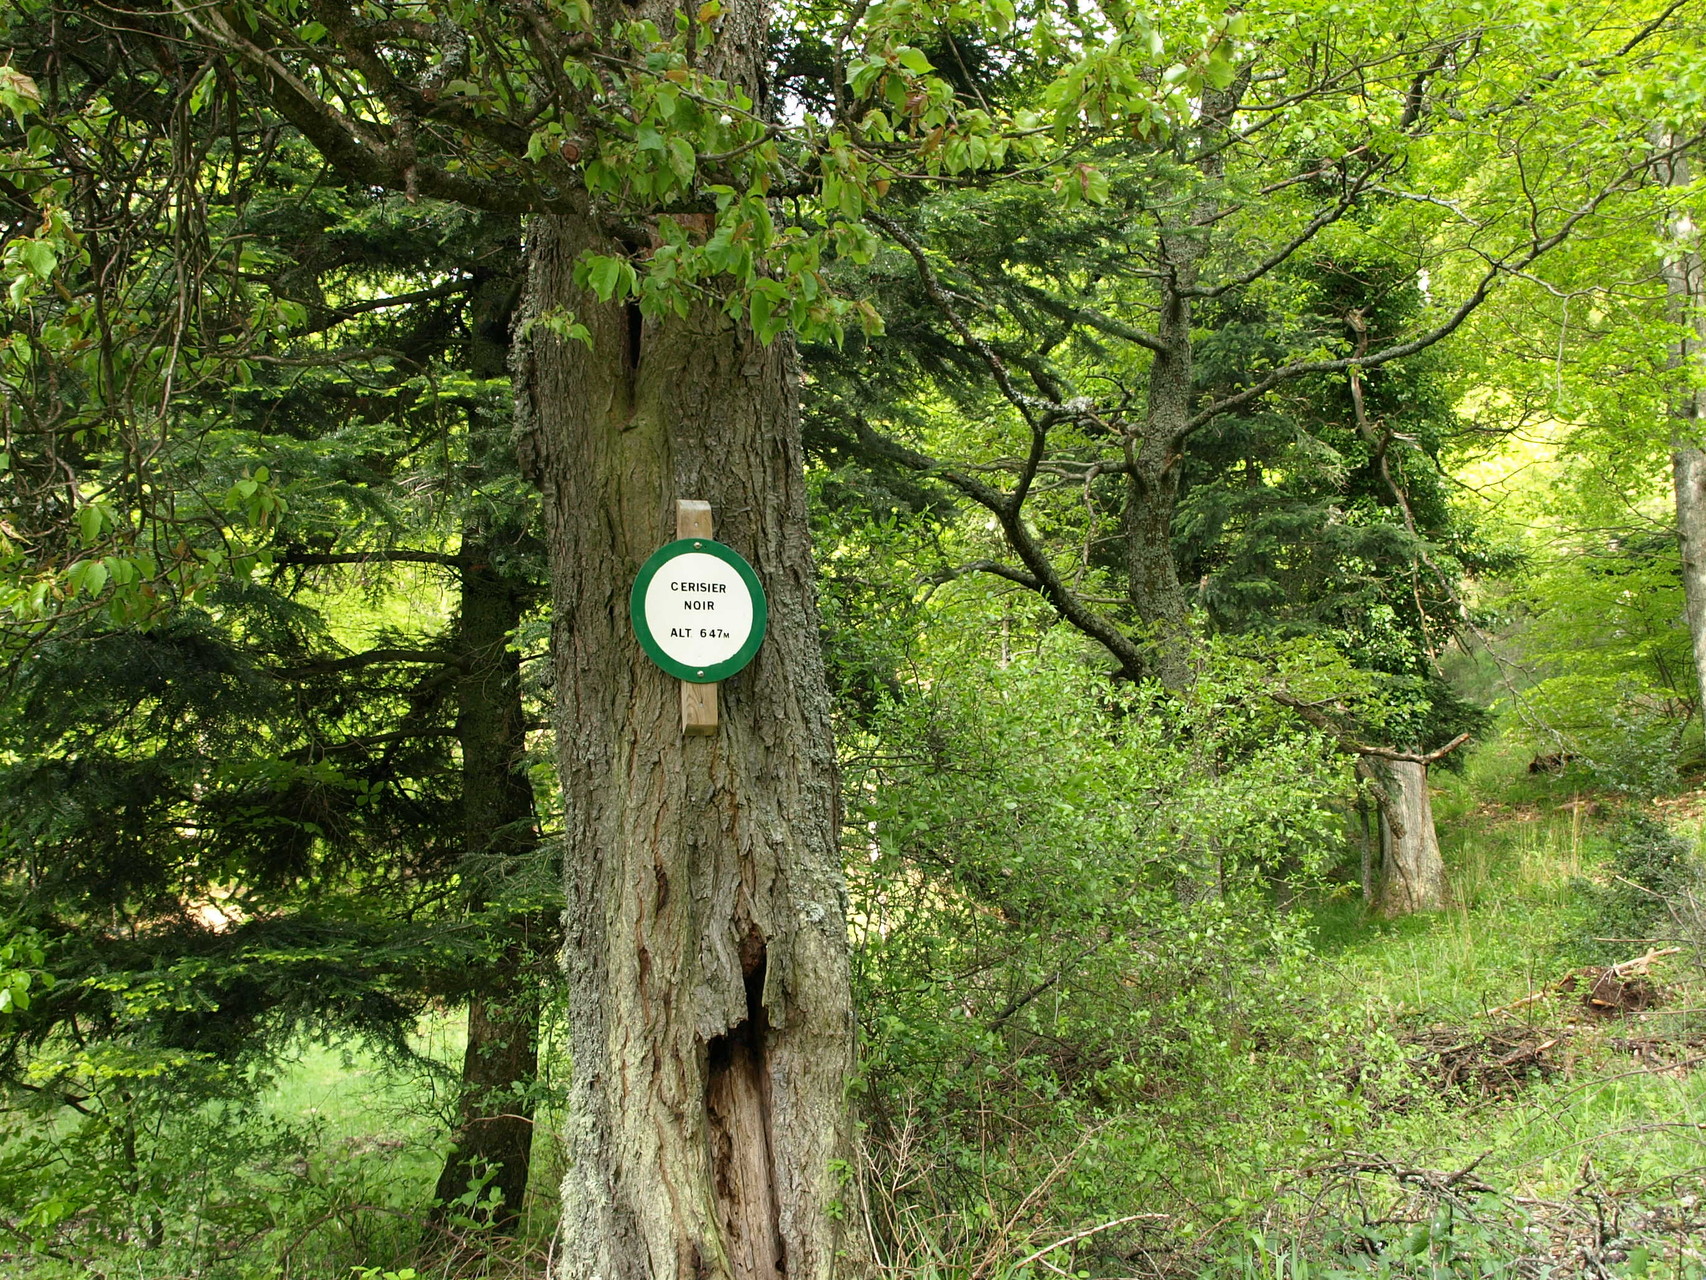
{"points": [[1253, 462]]}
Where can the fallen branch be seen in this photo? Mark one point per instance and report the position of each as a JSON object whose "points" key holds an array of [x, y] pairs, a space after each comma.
{"points": [[1437, 1181], [1634, 968]]}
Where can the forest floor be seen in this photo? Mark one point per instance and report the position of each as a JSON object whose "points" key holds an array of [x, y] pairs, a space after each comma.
{"points": [[1552, 1119], [1498, 1089]]}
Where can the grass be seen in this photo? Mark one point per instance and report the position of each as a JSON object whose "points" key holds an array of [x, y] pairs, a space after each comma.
{"points": [[1333, 1144], [361, 1107], [353, 1109]]}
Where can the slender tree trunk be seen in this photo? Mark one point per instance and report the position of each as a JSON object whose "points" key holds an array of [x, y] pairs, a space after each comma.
{"points": [[1154, 458], [1685, 281], [1155, 453], [710, 1017], [1153, 589], [494, 1134], [1366, 826], [1412, 873], [1688, 473]]}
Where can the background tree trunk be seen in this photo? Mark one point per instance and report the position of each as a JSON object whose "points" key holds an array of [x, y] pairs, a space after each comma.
{"points": [[710, 1018], [1155, 456], [1685, 282], [1365, 825], [1155, 453], [494, 1133], [1156, 596], [1412, 873]]}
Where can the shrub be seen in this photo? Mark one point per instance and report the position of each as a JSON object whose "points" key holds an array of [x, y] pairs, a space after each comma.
{"points": [[1071, 935]]}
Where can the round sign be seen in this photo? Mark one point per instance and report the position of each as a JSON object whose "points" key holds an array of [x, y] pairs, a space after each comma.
{"points": [[698, 610]]}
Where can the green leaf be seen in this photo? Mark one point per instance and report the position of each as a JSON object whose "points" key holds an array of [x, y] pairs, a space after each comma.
{"points": [[913, 59], [862, 75], [604, 276], [682, 160], [39, 258], [90, 521], [87, 577], [18, 93]]}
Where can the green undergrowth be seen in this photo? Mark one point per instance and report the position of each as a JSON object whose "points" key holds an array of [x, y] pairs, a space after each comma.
{"points": [[1264, 1085], [1507, 1128], [324, 1168], [1421, 1097]]}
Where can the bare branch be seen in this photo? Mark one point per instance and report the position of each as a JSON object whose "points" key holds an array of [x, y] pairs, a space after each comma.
{"points": [[1279, 256], [294, 558], [992, 567], [352, 146], [1071, 606], [1510, 264], [1092, 318], [370, 658], [1031, 407]]}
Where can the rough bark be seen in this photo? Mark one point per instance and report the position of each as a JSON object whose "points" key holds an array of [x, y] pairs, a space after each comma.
{"points": [[1688, 474], [1365, 825], [1152, 497], [710, 1018], [494, 1133], [1155, 451], [709, 1010], [1412, 873], [1685, 281], [1154, 457]]}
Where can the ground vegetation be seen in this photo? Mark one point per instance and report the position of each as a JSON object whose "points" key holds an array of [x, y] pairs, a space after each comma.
{"points": [[1218, 796]]}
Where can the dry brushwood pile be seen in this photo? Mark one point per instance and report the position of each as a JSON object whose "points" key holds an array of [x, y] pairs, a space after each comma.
{"points": [[1456, 1222], [1604, 991], [1487, 1065], [1504, 1058]]}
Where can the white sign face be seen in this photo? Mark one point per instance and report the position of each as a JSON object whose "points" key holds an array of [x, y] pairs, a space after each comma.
{"points": [[698, 609]]}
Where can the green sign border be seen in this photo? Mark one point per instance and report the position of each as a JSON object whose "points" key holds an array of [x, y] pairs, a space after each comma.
{"points": [[637, 610]]}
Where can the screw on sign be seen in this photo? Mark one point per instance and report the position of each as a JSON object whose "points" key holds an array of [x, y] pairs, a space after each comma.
{"points": [[699, 613]]}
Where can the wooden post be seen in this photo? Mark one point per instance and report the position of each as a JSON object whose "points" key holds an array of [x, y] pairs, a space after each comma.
{"points": [[698, 701]]}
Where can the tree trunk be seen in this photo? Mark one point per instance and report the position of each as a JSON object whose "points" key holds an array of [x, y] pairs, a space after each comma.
{"points": [[1412, 873], [710, 1018], [1154, 457], [1365, 825], [1685, 282], [1152, 576], [494, 1134], [1155, 453]]}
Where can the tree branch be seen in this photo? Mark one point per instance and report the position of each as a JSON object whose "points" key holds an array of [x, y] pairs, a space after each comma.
{"points": [[1350, 746], [992, 567], [295, 558], [1029, 406], [337, 315], [1310, 230], [1047, 580], [369, 658], [1092, 318], [1509, 264], [351, 146]]}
